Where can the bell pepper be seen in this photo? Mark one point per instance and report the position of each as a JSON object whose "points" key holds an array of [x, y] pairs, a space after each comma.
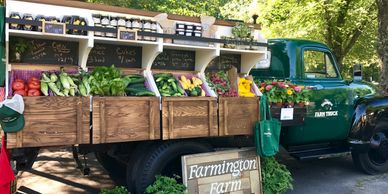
{"points": [[33, 92], [34, 84], [18, 85]]}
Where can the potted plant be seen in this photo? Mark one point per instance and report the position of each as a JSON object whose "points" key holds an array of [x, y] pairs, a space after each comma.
{"points": [[17, 46]]}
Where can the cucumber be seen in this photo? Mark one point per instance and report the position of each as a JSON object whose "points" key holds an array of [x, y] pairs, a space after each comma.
{"points": [[137, 80], [139, 92], [134, 76], [180, 90], [138, 85], [163, 75]]}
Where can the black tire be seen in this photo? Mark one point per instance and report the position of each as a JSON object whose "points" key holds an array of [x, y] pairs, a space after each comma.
{"points": [[115, 169], [134, 162], [165, 159], [374, 160]]}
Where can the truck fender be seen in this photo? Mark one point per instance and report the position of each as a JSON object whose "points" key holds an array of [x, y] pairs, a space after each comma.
{"points": [[370, 118]]}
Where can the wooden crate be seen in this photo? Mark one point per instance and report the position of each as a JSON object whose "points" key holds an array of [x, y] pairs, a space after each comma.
{"points": [[53, 121], [299, 114], [237, 115], [121, 119], [186, 117]]}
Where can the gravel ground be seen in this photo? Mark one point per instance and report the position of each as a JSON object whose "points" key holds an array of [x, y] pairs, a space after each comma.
{"points": [[55, 171]]}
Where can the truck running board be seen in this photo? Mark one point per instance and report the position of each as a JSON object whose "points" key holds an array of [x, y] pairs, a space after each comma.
{"points": [[328, 152]]}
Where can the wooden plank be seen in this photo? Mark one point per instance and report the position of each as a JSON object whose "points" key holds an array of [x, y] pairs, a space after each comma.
{"points": [[238, 115], [52, 121], [186, 117], [101, 7], [121, 119]]}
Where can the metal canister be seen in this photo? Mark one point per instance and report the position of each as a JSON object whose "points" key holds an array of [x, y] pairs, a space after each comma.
{"points": [[27, 17], [14, 15], [40, 18]]}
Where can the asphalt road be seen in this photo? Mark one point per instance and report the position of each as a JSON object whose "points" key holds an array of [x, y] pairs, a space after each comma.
{"points": [[55, 172]]}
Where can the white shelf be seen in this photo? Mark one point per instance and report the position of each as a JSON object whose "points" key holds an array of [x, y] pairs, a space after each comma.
{"points": [[41, 35], [117, 41], [187, 47], [240, 51]]}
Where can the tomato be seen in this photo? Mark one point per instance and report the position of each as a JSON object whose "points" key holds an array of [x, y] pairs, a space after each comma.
{"points": [[18, 85], [34, 84], [18, 80], [33, 92], [26, 88], [33, 79], [20, 92]]}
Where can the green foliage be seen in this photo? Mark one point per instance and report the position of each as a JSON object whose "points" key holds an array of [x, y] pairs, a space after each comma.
{"points": [[276, 177], [166, 185], [115, 190]]}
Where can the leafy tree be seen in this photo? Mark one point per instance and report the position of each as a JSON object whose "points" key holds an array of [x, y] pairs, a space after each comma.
{"points": [[382, 6], [347, 26]]}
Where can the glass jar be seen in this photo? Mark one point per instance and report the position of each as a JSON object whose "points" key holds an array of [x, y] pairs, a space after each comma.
{"points": [[15, 26], [198, 28], [113, 23], [136, 24], [97, 23], [66, 20], [83, 23], [128, 23], [105, 21], [76, 21], [180, 32], [27, 17], [188, 33], [147, 28], [197, 33], [189, 27], [180, 26], [154, 29], [39, 18]]}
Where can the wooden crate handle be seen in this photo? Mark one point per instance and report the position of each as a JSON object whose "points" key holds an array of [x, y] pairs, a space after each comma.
{"points": [[151, 117], [102, 121], [225, 117], [170, 119], [79, 121]]}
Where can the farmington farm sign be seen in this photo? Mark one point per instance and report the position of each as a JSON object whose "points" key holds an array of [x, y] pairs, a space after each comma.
{"points": [[232, 171]]}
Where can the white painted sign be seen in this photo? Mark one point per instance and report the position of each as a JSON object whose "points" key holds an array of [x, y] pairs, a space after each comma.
{"points": [[230, 171], [287, 114]]}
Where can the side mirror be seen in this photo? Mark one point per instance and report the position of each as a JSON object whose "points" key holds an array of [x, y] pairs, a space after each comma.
{"points": [[357, 72], [265, 62]]}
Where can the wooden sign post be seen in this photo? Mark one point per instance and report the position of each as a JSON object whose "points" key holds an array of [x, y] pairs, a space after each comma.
{"points": [[53, 27], [232, 171]]}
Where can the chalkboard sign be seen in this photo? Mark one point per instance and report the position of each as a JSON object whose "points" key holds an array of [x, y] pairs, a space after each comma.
{"points": [[127, 34], [225, 62], [41, 51], [53, 28], [120, 56], [175, 60]]}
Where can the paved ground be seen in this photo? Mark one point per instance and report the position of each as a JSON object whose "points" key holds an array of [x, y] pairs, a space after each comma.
{"points": [[55, 172]]}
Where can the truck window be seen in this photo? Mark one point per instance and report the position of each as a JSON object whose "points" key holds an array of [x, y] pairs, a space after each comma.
{"points": [[318, 65]]}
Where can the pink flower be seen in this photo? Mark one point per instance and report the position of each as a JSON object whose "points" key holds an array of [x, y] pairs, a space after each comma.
{"points": [[274, 83], [268, 87], [263, 84], [281, 84], [297, 89]]}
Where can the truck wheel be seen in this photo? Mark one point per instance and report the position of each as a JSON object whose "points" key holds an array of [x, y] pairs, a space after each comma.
{"points": [[165, 159], [111, 165], [375, 160]]}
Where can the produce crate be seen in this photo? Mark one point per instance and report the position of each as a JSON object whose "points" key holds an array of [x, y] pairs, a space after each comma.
{"points": [[187, 117], [237, 115], [121, 119], [298, 118], [53, 121]]}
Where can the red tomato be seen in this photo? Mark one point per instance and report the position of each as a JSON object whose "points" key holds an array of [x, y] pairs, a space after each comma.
{"points": [[33, 92], [34, 84], [18, 80], [26, 88], [33, 79], [20, 92], [18, 85]]}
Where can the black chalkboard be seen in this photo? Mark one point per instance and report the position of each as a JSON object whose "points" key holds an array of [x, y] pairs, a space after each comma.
{"points": [[41, 51], [225, 62], [53, 28], [175, 60], [120, 56]]}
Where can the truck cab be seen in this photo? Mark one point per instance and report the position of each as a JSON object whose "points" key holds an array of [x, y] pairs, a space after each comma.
{"points": [[337, 108]]}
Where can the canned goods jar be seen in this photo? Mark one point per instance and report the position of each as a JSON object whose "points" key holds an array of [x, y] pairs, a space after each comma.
{"points": [[76, 21], [180, 26], [83, 23], [136, 23], [27, 17], [128, 23], [180, 32], [96, 19], [198, 28], [189, 33], [14, 15], [189, 27], [197, 33]]}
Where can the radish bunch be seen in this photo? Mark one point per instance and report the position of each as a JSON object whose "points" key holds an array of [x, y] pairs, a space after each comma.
{"points": [[219, 82]]}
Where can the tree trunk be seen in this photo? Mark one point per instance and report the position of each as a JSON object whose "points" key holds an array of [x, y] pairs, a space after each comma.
{"points": [[382, 49]]}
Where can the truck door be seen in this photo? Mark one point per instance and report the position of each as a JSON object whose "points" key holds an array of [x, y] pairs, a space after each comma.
{"points": [[328, 113]]}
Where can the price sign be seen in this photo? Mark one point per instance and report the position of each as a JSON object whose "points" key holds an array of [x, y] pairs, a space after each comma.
{"points": [[127, 34], [53, 28]]}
